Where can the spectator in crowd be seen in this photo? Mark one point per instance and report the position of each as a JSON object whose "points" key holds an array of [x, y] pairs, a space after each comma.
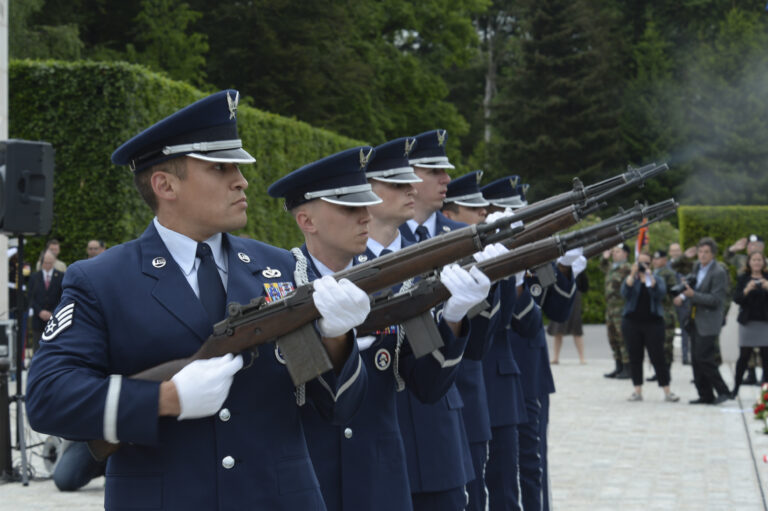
{"points": [[94, 248], [643, 325], [752, 296], [736, 259], [616, 270], [675, 254], [54, 247], [45, 287], [573, 325], [662, 271], [707, 298]]}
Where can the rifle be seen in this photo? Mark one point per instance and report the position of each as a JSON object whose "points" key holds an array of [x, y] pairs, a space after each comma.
{"points": [[429, 292], [594, 193], [289, 321]]}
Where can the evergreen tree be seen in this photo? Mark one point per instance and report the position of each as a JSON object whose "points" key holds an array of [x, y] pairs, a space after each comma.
{"points": [[727, 114], [558, 114]]}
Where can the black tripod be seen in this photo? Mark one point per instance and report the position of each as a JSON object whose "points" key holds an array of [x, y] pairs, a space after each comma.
{"points": [[18, 398]]}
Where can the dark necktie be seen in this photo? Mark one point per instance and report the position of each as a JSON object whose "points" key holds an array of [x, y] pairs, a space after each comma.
{"points": [[385, 252], [422, 233], [212, 294]]}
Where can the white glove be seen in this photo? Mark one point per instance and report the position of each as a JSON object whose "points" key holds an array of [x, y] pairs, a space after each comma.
{"points": [[365, 342], [578, 266], [569, 257], [519, 278], [203, 385], [489, 252], [341, 304], [468, 288], [502, 214]]}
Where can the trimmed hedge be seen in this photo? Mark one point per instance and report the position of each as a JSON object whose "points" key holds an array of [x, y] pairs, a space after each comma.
{"points": [[725, 224], [87, 109]]}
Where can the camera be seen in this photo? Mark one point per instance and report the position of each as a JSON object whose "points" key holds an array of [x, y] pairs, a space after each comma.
{"points": [[641, 267], [679, 288]]}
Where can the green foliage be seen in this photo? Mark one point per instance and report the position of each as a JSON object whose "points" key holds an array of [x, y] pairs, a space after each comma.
{"points": [[163, 44], [61, 41], [725, 224], [87, 109], [558, 113]]}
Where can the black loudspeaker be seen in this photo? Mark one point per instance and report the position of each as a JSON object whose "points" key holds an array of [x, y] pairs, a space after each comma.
{"points": [[26, 187]]}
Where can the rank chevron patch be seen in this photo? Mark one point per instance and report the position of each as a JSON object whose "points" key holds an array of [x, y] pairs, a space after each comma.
{"points": [[59, 322]]}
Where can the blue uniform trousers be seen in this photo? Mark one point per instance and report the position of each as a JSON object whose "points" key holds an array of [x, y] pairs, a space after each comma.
{"points": [[544, 428], [440, 501], [501, 475], [530, 461], [477, 492]]}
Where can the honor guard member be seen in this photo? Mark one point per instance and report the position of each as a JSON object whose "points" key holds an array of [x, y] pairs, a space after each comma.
{"points": [[530, 352], [502, 372], [361, 464], [217, 435], [464, 203], [436, 445]]}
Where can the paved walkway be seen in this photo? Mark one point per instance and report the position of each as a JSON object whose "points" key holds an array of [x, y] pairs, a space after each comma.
{"points": [[605, 453]]}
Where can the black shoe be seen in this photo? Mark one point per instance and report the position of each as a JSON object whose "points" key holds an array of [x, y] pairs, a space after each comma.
{"points": [[652, 378], [700, 401], [616, 371], [721, 398], [624, 374]]}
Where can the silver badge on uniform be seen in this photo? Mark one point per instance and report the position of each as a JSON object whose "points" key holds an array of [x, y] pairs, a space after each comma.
{"points": [[243, 257], [232, 105], [382, 359], [279, 354], [158, 262], [446, 228], [362, 258], [536, 290], [271, 273], [59, 322]]}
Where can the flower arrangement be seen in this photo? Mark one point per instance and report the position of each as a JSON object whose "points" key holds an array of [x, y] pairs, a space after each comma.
{"points": [[760, 410]]}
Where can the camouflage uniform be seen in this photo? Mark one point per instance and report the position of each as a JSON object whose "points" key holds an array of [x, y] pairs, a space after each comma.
{"points": [[670, 279], [615, 273]]}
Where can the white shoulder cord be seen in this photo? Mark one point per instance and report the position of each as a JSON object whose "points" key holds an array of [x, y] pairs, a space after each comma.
{"points": [[399, 383], [301, 277]]}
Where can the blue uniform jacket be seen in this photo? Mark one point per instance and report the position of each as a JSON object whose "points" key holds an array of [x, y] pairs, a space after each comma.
{"points": [[435, 437], [532, 353], [361, 464], [133, 309], [501, 371]]}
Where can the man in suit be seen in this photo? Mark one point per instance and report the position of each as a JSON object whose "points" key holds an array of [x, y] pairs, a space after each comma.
{"points": [[44, 295], [707, 301], [218, 434]]}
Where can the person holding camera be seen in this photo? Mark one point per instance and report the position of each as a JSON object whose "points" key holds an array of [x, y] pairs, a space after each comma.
{"points": [[708, 297], [642, 325], [752, 296]]}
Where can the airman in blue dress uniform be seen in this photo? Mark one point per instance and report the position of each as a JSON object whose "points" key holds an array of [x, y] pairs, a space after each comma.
{"points": [[437, 447], [361, 464], [215, 436], [520, 487]]}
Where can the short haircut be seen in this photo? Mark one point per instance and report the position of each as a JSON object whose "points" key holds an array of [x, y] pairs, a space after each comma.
{"points": [[450, 206], [143, 179], [709, 242], [100, 242]]}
